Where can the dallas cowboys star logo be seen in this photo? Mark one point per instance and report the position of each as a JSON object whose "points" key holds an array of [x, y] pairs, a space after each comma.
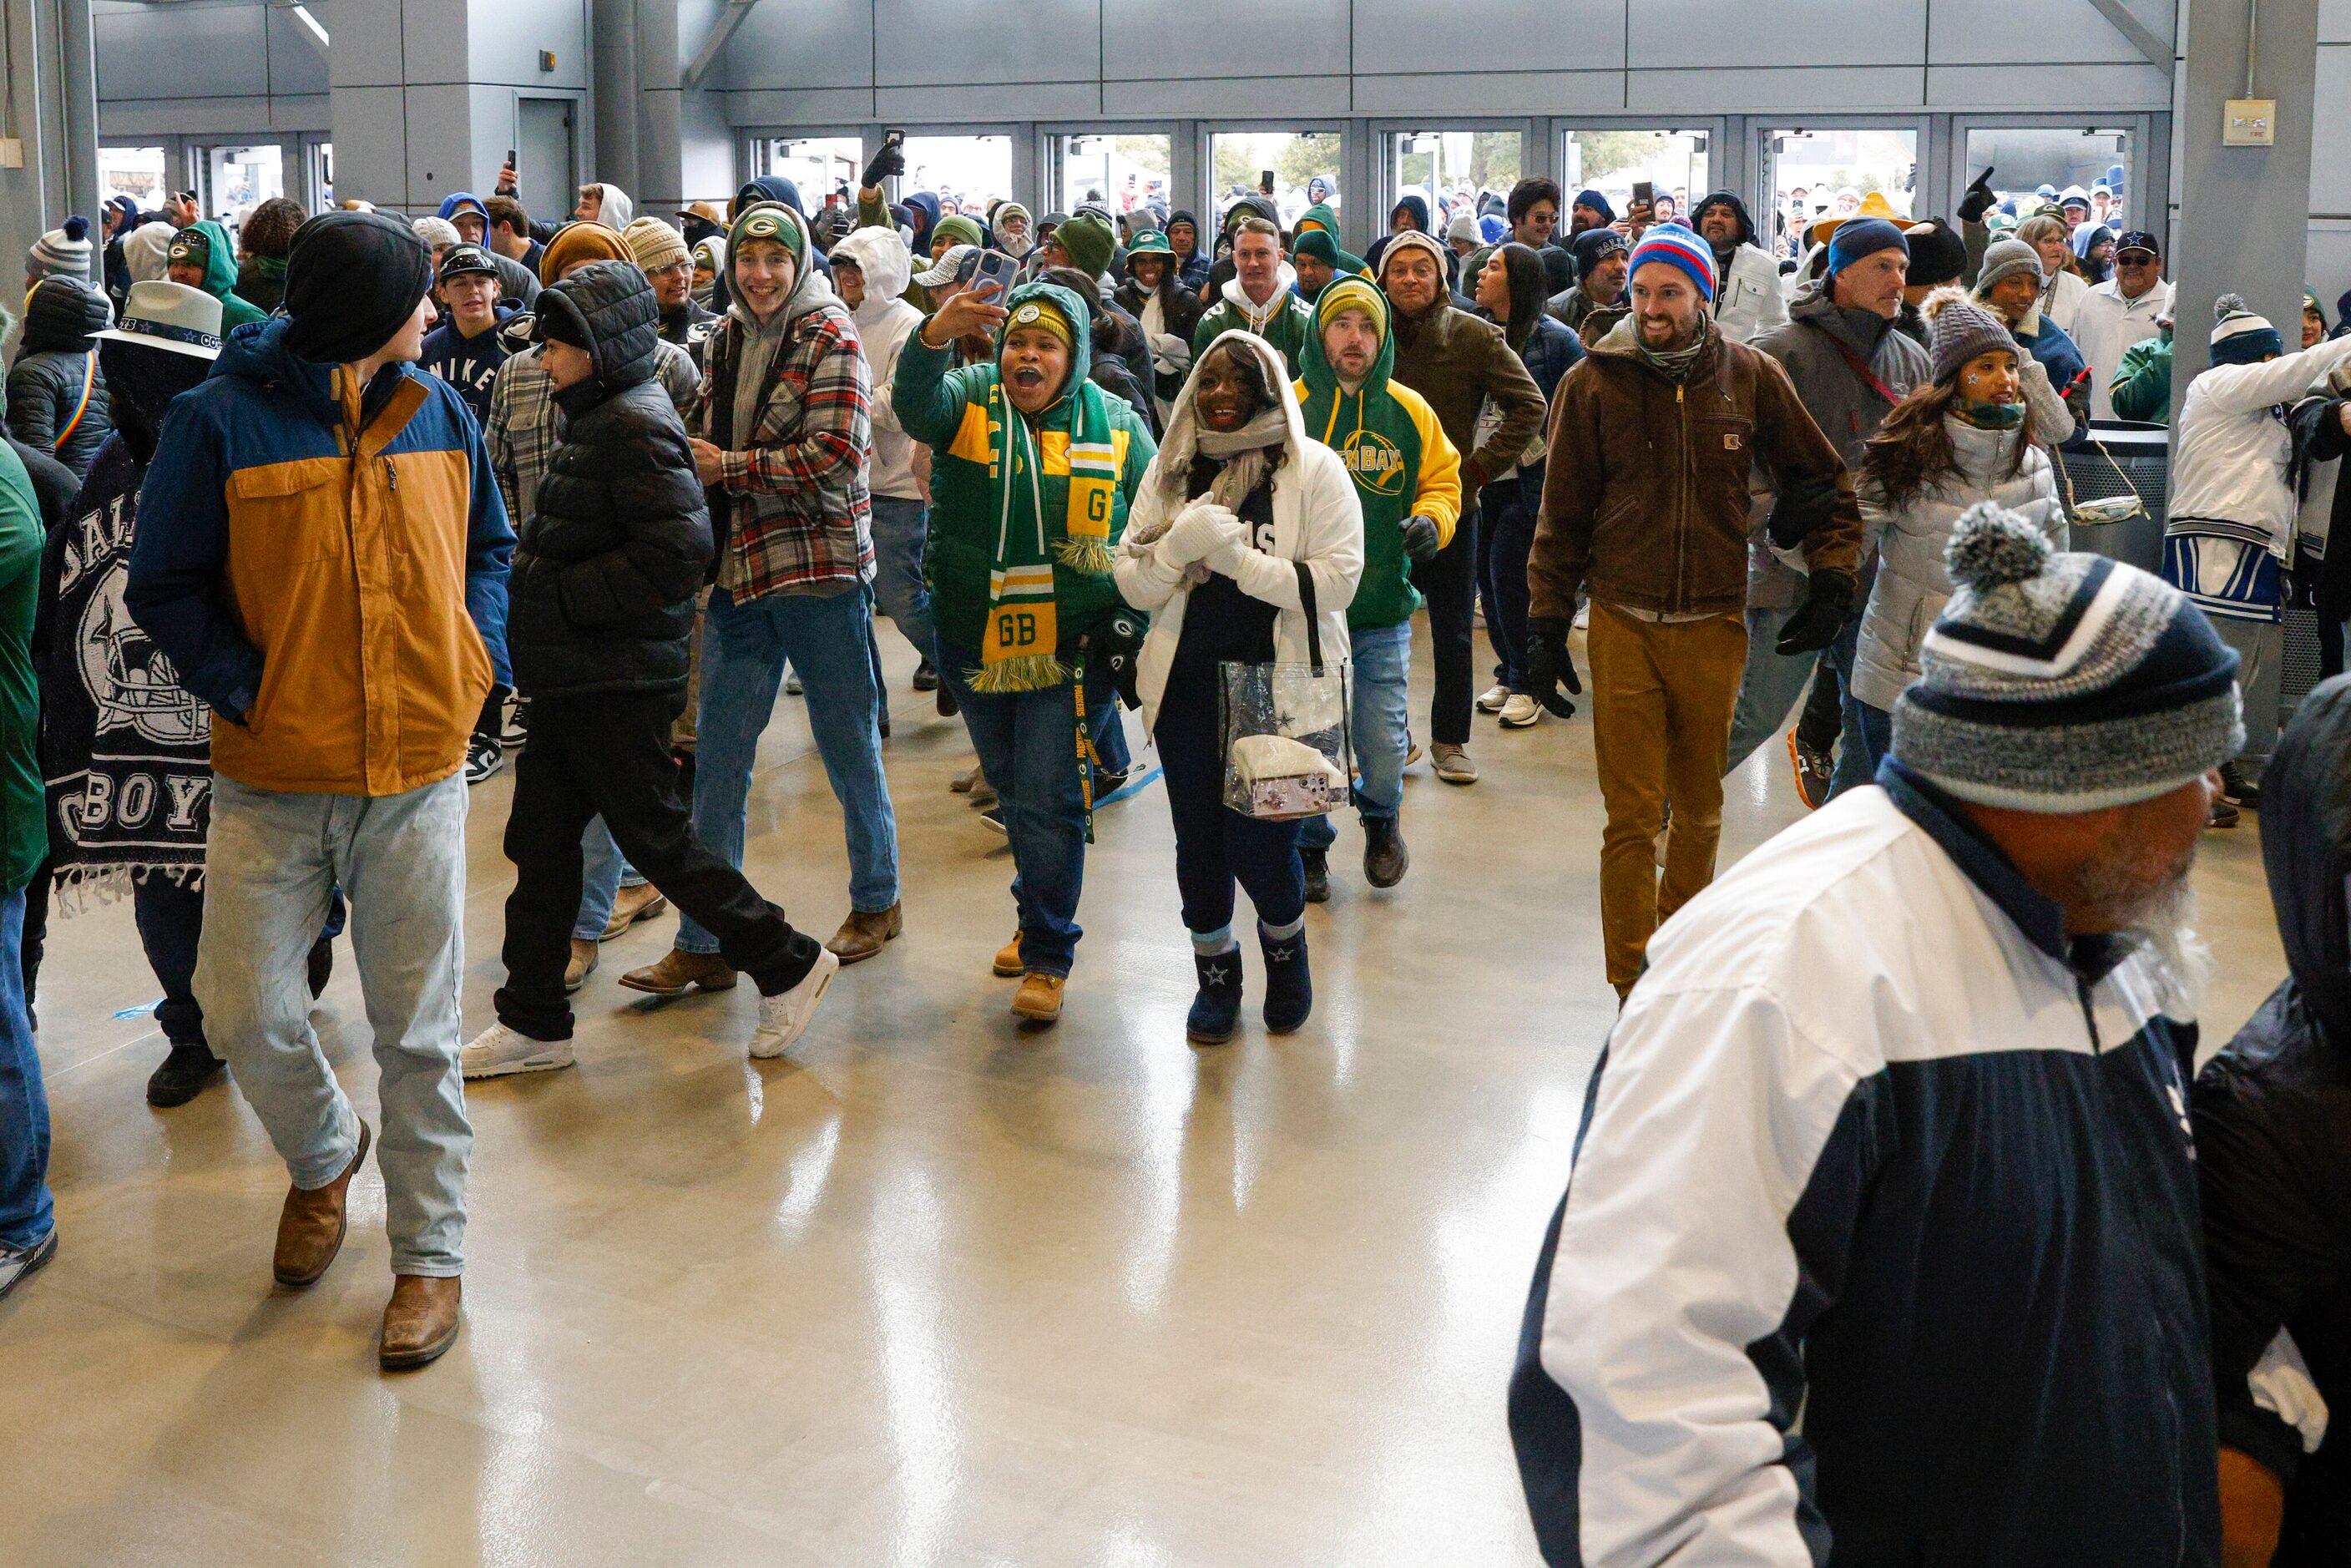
{"points": [[1216, 975]]}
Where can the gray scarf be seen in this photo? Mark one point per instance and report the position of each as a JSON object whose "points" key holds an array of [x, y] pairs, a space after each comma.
{"points": [[1674, 364]]}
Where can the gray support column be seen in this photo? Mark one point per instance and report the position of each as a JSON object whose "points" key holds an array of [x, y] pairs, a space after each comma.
{"points": [[57, 122], [78, 86], [617, 82], [1362, 211], [2244, 211]]}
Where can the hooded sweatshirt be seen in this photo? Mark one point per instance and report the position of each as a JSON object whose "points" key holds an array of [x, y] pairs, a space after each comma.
{"points": [[1393, 445], [1015, 249], [1281, 320], [617, 211], [2273, 1117], [146, 252], [220, 276], [884, 322], [948, 410], [1193, 268]]}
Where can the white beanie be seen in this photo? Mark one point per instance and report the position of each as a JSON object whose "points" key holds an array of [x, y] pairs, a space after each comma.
{"points": [[438, 232]]}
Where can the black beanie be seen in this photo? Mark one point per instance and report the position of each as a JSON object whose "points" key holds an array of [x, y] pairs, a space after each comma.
{"points": [[352, 280]]}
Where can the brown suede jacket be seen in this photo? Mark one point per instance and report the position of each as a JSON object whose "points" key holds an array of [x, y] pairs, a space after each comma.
{"points": [[1646, 499]]}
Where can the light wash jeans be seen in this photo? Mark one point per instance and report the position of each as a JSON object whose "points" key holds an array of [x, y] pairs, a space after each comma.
{"points": [[1381, 676], [1027, 746], [604, 871], [270, 867], [743, 652], [899, 529], [1769, 688]]}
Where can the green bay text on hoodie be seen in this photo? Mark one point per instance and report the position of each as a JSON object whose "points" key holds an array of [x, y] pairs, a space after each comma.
{"points": [[1392, 443]]}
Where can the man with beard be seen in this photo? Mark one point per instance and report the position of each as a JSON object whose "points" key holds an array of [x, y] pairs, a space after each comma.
{"points": [[1893, 1133], [1749, 301]]}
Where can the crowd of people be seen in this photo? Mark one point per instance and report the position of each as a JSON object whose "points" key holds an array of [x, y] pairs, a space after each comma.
{"points": [[306, 528]]}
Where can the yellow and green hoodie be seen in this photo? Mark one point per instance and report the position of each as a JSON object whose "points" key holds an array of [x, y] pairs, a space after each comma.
{"points": [[1389, 438]]}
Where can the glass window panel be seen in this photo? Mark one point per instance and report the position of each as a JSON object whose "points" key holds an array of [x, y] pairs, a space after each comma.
{"points": [[817, 165], [2023, 159], [1244, 160], [242, 178], [966, 172], [1829, 173], [1451, 168], [1126, 171], [138, 172], [1612, 162]]}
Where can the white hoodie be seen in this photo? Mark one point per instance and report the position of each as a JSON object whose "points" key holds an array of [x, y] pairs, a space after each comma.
{"points": [[617, 209], [884, 322], [1318, 519]]}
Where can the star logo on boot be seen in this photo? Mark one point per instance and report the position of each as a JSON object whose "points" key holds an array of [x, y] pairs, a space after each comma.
{"points": [[1216, 974]]}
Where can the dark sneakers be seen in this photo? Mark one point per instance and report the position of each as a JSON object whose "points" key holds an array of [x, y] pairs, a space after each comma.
{"points": [[1289, 988], [182, 1075], [15, 1262], [1386, 860], [1217, 1011], [2236, 791], [927, 676], [1317, 865], [1814, 769]]}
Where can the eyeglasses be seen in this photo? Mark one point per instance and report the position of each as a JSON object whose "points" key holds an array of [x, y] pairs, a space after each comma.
{"points": [[2134, 260]]}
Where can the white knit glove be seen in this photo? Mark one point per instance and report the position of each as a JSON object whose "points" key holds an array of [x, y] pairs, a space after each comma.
{"points": [[1198, 530]]}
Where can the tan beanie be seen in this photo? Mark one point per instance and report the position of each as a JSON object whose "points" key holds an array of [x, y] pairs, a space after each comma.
{"points": [[653, 244]]}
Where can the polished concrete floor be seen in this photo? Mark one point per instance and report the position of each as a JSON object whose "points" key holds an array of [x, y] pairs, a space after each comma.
{"points": [[929, 1290]]}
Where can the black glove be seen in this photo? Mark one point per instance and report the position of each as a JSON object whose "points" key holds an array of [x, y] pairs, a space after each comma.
{"points": [[1420, 540], [1977, 199], [1827, 605], [1113, 651], [1803, 505], [891, 160], [1549, 663]]}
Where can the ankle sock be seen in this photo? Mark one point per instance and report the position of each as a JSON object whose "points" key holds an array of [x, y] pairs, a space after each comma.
{"points": [[1214, 943], [1280, 933]]}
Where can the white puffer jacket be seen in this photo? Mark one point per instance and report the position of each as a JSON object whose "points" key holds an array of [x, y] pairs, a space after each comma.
{"points": [[1913, 584], [1317, 519]]}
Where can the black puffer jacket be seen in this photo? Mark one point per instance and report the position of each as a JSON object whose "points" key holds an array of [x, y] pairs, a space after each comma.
{"points": [[2273, 1114], [45, 384], [601, 595]]}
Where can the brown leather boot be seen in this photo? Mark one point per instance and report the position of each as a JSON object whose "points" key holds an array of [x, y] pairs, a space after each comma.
{"points": [[310, 1227], [682, 972], [1007, 958], [862, 935], [420, 1321], [1038, 999], [631, 905]]}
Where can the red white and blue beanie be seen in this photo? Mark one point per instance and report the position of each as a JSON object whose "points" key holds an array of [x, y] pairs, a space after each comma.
{"points": [[2063, 682], [1678, 247]]}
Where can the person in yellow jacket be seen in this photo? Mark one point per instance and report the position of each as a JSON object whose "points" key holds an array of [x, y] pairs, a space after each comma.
{"points": [[1409, 477]]}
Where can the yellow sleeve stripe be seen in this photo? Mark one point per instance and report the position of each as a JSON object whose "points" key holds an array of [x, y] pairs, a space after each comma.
{"points": [[971, 438]]}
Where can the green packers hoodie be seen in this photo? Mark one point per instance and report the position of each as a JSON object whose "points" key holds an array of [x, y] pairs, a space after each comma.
{"points": [[1389, 438], [220, 276]]}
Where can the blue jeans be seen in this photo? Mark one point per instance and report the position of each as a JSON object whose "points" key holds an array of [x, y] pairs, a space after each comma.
{"points": [[604, 871], [271, 865], [1767, 688], [1854, 766], [1506, 536], [899, 529], [1381, 705], [27, 1214], [1870, 731], [828, 640], [1027, 746]]}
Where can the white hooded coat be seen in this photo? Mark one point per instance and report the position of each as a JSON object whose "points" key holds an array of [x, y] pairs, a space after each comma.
{"points": [[884, 321], [1317, 519]]}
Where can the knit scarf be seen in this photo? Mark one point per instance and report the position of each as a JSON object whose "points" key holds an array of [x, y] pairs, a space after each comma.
{"points": [[1018, 650], [1988, 415], [1673, 364]]}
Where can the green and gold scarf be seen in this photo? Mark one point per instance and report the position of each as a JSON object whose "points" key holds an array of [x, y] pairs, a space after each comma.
{"points": [[1020, 650]]}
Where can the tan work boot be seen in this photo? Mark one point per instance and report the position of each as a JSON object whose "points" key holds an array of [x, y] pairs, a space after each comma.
{"points": [[630, 906], [1007, 958], [583, 965], [862, 935], [420, 1321], [680, 972], [310, 1227], [1040, 998]]}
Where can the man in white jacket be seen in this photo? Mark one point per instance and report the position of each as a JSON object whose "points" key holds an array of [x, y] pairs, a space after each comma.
{"points": [[2229, 535], [870, 269], [1881, 1244], [1749, 301], [2120, 312]]}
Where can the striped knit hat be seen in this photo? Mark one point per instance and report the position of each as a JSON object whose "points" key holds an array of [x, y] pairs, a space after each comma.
{"points": [[2063, 682], [2241, 338], [1678, 247], [62, 251]]}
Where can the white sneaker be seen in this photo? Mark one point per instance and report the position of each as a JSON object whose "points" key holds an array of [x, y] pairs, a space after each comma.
{"points": [[1522, 712], [498, 1051], [784, 1017], [1493, 699], [1583, 616]]}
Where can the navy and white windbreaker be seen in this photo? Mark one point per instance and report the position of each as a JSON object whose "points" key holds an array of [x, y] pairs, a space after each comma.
{"points": [[1881, 1245]]}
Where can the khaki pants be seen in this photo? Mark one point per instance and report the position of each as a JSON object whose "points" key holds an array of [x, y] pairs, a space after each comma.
{"points": [[1662, 699]]}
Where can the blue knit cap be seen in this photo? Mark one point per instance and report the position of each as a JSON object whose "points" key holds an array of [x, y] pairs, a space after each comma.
{"points": [[1597, 201], [1678, 247], [1858, 237]]}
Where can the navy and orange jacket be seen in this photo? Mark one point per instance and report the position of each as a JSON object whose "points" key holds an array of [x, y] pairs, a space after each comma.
{"points": [[330, 576]]}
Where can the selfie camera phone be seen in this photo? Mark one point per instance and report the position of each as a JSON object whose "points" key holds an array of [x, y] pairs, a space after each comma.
{"points": [[999, 269]]}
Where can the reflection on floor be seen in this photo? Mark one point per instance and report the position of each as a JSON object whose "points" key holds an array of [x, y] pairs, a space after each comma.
{"points": [[930, 1291]]}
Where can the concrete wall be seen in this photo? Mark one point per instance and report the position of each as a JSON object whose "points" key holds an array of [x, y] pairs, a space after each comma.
{"points": [[210, 67]]}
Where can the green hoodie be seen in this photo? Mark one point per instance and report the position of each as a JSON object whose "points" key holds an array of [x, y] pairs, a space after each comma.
{"points": [[946, 410], [1319, 213], [1389, 438], [220, 277]]}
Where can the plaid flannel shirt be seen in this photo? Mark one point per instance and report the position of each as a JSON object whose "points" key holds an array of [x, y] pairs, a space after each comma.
{"points": [[526, 426], [796, 482]]}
